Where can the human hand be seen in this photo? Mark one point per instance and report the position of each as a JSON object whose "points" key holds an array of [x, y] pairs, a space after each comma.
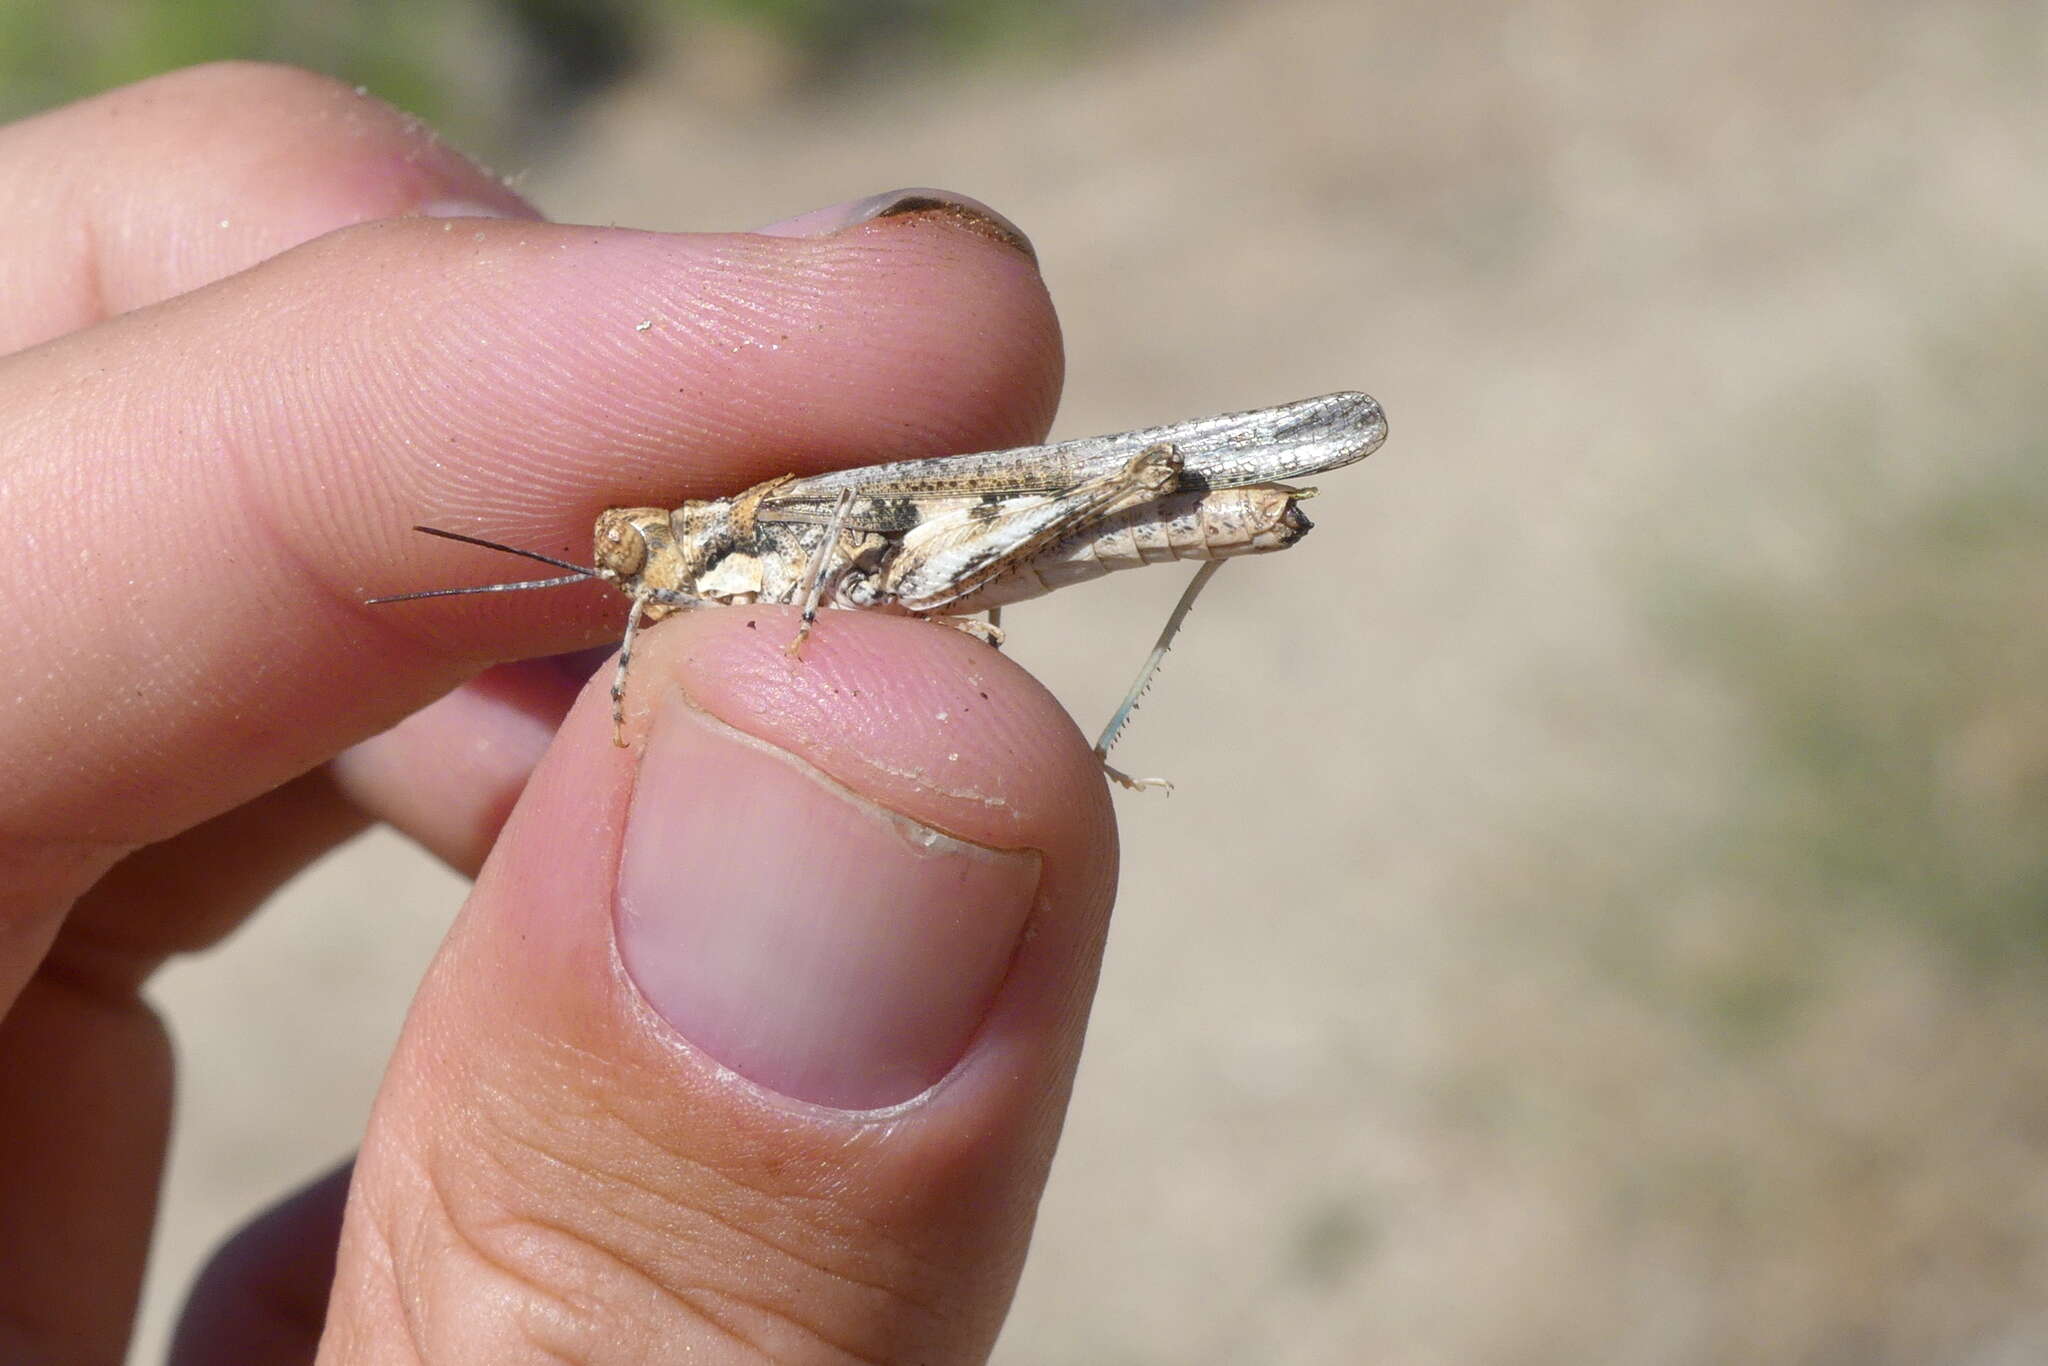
{"points": [[754, 1039]]}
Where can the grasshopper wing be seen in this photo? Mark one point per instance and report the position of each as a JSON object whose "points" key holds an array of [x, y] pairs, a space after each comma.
{"points": [[1266, 445]]}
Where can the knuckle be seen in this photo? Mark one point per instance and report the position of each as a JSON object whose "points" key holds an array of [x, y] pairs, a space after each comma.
{"points": [[584, 1222], [297, 139], [280, 88]]}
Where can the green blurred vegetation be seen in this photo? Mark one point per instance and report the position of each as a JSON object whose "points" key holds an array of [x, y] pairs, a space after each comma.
{"points": [[1883, 688], [1859, 657], [948, 28], [53, 53], [483, 70], [1895, 694]]}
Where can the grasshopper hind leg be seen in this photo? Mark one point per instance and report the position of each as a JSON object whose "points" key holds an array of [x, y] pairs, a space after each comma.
{"points": [[1146, 674], [815, 572]]}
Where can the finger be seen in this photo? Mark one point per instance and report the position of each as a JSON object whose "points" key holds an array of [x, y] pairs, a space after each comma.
{"points": [[263, 1296], [85, 1068], [119, 201], [202, 597], [447, 776], [760, 1049], [85, 1094], [193, 889], [115, 203], [122, 200], [156, 188]]}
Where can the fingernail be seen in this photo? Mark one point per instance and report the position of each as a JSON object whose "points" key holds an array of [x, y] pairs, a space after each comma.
{"points": [[807, 939], [968, 213]]}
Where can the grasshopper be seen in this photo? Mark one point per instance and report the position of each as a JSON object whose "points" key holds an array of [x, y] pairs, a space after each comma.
{"points": [[949, 536]]}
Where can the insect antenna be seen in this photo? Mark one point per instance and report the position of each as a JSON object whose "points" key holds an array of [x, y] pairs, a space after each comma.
{"points": [[508, 549], [577, 575]]}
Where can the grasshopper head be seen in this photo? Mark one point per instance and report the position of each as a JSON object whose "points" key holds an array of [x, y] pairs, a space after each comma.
{"points": [[627, 538]]}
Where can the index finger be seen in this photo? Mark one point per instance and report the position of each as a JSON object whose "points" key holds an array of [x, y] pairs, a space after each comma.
{"points": [[209, 488]]}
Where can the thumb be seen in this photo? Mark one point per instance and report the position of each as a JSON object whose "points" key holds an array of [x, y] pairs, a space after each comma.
{"points": [[755, 1038]]}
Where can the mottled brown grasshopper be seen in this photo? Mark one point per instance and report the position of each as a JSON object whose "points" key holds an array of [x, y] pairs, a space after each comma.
{"points": [[952, 535]]}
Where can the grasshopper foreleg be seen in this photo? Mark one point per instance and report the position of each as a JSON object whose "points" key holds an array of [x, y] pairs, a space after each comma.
{"points": [[643, 598], [633, 615]]}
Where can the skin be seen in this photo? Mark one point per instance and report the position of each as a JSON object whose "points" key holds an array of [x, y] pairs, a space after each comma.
{"points": [[239, 364]]}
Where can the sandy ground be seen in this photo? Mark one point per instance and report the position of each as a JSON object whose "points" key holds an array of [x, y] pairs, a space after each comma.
{"points": [[1448, 1016]]}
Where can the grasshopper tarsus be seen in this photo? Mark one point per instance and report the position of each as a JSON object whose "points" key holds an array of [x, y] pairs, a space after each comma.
{"points": [[987, 632], [795, 648], [1130, 784]]}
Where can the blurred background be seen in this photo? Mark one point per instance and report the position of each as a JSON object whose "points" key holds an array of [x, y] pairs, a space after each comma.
{"points": [[1602, 917]]}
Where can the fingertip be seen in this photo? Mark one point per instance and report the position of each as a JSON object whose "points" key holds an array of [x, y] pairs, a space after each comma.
{"points": [[830, 862], [922, 718], [948, 207], [925, 735]]}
